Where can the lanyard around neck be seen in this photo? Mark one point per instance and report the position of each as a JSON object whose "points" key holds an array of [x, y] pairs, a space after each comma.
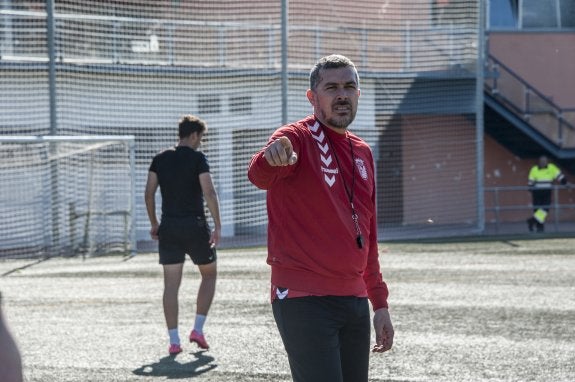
{"points": [[349, 190]]}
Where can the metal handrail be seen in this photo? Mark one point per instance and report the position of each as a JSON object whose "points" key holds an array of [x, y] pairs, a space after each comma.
{"points": [[524, 111], [166, 29], [556, 207]]}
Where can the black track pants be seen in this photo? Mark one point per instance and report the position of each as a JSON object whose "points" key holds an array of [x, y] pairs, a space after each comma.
{"points": [[326, 338]]}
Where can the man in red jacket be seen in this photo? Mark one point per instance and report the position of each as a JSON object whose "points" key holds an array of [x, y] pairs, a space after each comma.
{"points": [[322, 233]]}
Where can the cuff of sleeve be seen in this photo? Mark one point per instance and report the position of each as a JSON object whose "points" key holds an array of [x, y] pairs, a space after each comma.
{"points": [[378, 297], [378, 304]]}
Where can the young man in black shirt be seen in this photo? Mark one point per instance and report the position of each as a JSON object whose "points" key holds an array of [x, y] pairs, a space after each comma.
{"points": [[183, 175]]}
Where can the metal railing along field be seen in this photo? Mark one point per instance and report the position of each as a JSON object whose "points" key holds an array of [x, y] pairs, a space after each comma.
{"points": [[511, 204]]}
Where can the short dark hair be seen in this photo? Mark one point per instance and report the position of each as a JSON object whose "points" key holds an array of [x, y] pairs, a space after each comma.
{"points": [[190, 124], [333, 61]]}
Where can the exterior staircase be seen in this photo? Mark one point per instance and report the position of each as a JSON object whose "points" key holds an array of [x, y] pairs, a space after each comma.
{"points": [[530, 113]]}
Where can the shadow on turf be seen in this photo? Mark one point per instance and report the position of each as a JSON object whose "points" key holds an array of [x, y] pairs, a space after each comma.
{"points": [[171, 368]]}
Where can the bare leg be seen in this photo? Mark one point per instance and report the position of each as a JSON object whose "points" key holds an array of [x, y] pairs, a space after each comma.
{"points": [[207, 288], [172, 281]]}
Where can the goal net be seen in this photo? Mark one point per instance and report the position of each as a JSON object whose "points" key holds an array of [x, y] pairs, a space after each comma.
{"points": [[66, 196]]}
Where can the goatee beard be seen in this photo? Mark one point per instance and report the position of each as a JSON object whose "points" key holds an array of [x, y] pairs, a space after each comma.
{"points": [[340, 123]]}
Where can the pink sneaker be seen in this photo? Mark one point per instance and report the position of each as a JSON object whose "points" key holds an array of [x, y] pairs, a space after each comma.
{"points": [[199, 339], [175, 349]]}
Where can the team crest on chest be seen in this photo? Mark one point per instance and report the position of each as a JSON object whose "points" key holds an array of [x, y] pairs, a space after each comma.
{"points": [[361, 168]]}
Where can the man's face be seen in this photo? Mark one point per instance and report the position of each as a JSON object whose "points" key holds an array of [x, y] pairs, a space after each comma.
{"points": [[196, 139], [335, 97]]}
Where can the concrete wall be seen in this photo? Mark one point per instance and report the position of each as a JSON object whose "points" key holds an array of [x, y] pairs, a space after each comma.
{"points": [[545, 60], [439, 169]]}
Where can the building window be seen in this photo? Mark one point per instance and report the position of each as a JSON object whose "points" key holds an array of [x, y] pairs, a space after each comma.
{"points": [[209, 104], [547, 14], [241, 105], [539, 14], [531, 14], [567, 10], [450, 12], [503, 14]]}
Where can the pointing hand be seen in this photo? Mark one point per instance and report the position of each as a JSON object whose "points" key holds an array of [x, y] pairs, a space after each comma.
{"points": [[280, 153]]}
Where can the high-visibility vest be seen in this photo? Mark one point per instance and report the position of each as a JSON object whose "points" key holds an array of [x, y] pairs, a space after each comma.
{"points": [[540, 215], [543, 178]]}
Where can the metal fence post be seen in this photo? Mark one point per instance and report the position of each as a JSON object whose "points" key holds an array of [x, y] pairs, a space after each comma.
{"points": [[284, 74]]}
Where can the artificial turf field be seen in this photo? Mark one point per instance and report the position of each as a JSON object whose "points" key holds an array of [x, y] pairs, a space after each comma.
{"points": [[462, 311]]}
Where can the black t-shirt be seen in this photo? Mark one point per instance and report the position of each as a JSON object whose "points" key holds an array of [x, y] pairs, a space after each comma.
{"points": [[178, 171]]}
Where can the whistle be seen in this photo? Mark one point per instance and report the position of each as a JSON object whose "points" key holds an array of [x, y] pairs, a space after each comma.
{"points": [[359, 240]]}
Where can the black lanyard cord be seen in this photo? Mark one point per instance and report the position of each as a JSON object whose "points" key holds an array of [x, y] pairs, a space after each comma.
{"points": [[349, 191]]}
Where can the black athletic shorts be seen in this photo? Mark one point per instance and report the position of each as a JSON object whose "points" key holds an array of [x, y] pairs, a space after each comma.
{"points": [[179, 236]]}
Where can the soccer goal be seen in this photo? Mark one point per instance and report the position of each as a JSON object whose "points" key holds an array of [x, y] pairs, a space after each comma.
{"points": [[67, 196]]}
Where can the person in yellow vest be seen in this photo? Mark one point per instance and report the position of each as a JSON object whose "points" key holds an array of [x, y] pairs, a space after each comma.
{"points": [[541, 179]]}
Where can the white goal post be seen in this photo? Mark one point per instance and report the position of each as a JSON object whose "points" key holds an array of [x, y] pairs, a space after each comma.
{"points": [[67, 196]]}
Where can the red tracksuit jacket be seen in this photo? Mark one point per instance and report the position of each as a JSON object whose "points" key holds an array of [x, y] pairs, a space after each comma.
{"points": [[311, 235]]}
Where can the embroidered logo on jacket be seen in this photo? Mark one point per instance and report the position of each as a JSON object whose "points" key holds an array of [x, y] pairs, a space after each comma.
{"points": [[321, 141], [282, 293], [361, 168]]}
